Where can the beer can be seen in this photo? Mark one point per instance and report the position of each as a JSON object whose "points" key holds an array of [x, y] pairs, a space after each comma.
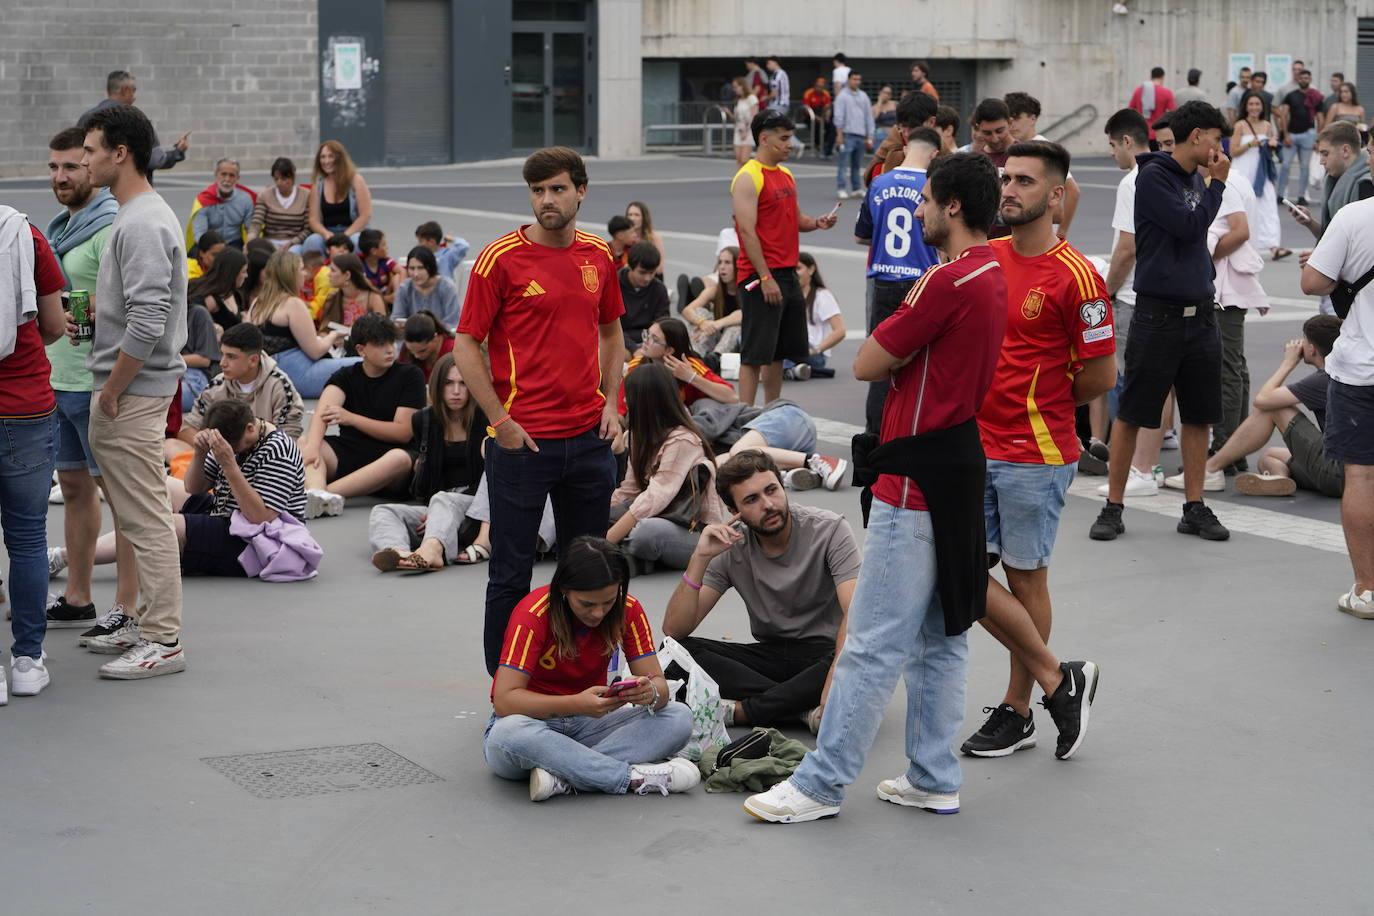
{"points": [[80, 301]]}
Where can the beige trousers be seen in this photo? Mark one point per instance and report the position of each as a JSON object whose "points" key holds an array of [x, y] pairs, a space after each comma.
{"points": [[128, 449]]}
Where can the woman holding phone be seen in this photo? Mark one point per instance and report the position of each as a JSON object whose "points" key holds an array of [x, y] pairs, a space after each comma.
{"points": [[555, 719]]}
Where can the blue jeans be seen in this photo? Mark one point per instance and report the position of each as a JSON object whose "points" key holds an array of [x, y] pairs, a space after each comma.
{"points": [[1302, 150], [27, 453], [594, 755], [317, 242], [851, 153], [578, 475], [311, 375], [73, 436], [896, 628], [192, 384]]}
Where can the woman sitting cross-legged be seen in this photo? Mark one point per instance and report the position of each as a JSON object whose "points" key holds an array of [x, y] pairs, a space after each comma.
{"points": [[288, 331], [669, 493], [372, 403], [555, 721], [448, 439]]}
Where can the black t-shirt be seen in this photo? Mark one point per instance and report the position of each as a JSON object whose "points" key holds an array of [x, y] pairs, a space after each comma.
{"points": [[1311, 393], [377, 398], [642, 307], [1299, 116], [457, 474]]}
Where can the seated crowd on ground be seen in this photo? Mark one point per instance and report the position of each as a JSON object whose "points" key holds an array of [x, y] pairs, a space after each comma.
{"points": [[478, 441]]}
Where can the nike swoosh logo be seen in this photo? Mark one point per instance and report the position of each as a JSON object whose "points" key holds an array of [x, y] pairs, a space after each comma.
{"points": [[1025, 728], [1073, 685]]}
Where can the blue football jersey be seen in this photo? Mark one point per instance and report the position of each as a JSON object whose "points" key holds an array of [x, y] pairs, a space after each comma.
{"points": [[888, 217]]}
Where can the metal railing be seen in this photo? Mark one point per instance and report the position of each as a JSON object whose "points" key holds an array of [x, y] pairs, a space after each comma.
{"points": [[1085, 115], [709, 127]]}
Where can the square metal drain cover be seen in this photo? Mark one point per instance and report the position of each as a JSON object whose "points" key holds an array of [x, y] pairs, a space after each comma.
{"points": [[321, 770]]}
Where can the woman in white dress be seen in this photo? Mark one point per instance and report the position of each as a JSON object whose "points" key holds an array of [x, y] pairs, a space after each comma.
{"points": [[1253, 141], [746, 106]]}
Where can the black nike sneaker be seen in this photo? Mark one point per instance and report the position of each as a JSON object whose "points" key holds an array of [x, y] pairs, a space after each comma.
{"points": [[1069, 706], [1004, 733]]}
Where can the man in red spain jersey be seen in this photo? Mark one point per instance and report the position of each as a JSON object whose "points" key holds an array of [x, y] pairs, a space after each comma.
{"points": [[546, 300], [1058, 352], [767, 220], [939, 348]]}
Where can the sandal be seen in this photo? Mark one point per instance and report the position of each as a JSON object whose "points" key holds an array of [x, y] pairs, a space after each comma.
{"points": [[474, 553], [1281, 253], [416, 565], [387, 560]]}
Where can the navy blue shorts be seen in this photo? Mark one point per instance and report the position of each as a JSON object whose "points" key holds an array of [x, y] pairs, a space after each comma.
{"points": [[210, 549], [1348, 435]]}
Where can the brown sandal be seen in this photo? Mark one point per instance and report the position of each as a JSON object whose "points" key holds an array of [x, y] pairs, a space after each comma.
{"points": [[415, 565], [1281, 253], [387, 560]]}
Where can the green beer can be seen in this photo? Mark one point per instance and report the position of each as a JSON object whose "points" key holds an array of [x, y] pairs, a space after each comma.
{"points": [[80, 301]]}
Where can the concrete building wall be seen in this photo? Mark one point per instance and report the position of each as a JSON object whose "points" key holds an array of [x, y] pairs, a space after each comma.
{"points": [[618, 110], [243, 76], [1066, 52]]}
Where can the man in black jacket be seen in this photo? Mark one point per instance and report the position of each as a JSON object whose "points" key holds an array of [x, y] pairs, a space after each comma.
{"points": [[1174, 341]]}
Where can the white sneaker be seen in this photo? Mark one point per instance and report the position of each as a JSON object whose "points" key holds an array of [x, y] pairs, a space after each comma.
{"points": [[1212, 482], [322, 502], [147, 659], [544, 785], [900, 791], [1359, 605], [1170, 443], [1138, 483], [4, 691], [127, 637], [55, 495], [677, 775], [57, 561], [841, 194], [786, 804], [801, 479], [29, 675]]}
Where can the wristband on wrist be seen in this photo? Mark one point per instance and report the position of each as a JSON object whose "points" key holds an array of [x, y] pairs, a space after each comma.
{"points": [[653, 704], [695, 586], [497, 424], [765, 278]]}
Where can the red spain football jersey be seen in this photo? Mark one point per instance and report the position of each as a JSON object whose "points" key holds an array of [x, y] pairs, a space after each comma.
{"points": [[539, 310], [777, 222], [950, 324], [531, 649], [690, 393], [1058, 314]]}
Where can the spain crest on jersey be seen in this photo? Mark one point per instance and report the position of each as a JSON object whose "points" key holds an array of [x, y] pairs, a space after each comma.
{"points": [[591, 280], [1035, 301]]}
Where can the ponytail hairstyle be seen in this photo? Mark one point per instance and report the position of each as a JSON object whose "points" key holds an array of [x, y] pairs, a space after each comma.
{"points": [[817, 282], [590, 563]]}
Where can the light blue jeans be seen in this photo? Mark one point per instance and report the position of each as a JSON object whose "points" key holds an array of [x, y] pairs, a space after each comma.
{"points": [[594, 755], [27, 452], [896, 628], [311, 375], [1302, 151], [850, 155]]}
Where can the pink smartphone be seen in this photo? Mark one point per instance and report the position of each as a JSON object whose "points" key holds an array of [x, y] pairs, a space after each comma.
{"points": [[622, 687]]}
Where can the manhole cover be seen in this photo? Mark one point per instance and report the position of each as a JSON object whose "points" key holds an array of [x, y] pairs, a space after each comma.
{"points": [[321, 770]]}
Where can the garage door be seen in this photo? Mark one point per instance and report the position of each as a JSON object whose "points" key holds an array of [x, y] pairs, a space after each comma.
{"points": [[415, 70]]}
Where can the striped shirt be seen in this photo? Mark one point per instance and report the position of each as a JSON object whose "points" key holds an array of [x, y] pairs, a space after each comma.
{"points": [[273, 468], [273, 219]]}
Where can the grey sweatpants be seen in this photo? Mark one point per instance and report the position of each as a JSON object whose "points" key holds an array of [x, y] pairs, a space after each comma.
{"points": [[396, 525]]}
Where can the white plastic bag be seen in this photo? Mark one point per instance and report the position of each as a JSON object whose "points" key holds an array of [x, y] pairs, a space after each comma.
{"points": [[703, 699]]}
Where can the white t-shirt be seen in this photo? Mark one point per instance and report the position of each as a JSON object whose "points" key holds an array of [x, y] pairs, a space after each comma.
{"points": [[839, 77], [823, 308], [1346, 252], [1123, 220]]}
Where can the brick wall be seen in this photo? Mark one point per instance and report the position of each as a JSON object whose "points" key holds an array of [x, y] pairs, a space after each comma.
{"points": [[245, 80]]}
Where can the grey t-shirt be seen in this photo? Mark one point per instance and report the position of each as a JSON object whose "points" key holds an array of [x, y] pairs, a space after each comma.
{"points": [[792, 596], [1311, 393]]}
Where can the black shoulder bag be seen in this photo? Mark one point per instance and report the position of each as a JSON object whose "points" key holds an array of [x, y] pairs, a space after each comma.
{"points": [[1343, 296]]}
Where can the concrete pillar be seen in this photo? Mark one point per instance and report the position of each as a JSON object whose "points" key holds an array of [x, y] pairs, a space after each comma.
{"points": [[619, 114]]}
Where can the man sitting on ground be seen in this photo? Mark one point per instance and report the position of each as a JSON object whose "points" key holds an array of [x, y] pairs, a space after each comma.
{"points": [[249, 375], [646, 298], [1302, 462], [225, 207], [796, 568]]}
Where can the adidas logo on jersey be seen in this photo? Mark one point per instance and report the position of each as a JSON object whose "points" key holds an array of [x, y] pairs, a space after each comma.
{"points": [[534, 289]]}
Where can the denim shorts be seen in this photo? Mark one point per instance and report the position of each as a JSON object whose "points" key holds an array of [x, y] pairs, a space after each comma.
{"points": [[786, 426], [1021, 507], [1349, 419], [74, 432]]}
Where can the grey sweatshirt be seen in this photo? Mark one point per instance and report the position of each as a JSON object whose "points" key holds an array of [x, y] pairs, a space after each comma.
{"points": [[140, 298]]}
